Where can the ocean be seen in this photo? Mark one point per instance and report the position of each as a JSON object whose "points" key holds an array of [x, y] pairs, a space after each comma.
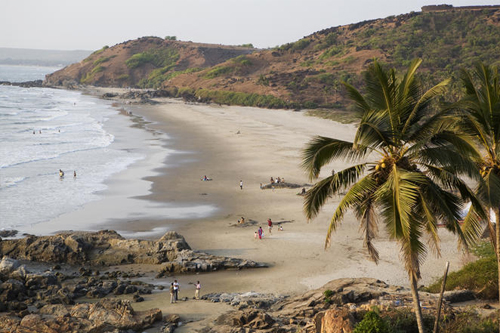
{"points": [[95, 144]]}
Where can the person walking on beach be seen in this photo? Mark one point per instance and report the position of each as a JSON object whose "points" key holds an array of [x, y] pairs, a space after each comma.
{"points": [[261, 232], [241, 184], [172, 293], [176, 290], [269, 225], [197, 291]]}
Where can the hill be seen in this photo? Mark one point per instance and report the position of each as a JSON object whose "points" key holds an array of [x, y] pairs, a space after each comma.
{"points": [[146, 62], [305, 73], [11, 56]]}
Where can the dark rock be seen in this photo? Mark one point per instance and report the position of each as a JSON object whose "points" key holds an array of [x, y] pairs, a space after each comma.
{"points": [[457, 296], [8, 233]]}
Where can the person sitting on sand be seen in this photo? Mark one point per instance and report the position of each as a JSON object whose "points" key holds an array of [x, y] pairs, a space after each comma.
{"points": [[242, 220], [303, 191], [272, 180], [280, 228], [205, 178]]}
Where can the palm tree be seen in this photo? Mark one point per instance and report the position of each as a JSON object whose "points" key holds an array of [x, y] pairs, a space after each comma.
{"points": [[480, 115], [414, 161]]}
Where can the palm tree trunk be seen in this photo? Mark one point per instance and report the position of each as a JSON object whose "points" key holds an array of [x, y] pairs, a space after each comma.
{"points": [[497, 251], [416, 302]]}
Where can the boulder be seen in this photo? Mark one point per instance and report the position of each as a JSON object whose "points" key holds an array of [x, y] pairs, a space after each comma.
{"points": [[335, 321], [8, 265]]}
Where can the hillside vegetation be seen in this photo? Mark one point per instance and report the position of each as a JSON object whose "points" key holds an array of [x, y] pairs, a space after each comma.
{"points": [[305, 73]]}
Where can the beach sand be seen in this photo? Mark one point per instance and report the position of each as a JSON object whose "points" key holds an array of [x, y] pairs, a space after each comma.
{"points": [[229, 144]]}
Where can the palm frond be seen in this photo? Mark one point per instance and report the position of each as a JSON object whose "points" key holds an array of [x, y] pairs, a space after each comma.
{"points": [[368, 226], [316, 197], [397, 196], [322, 150], [357, 194]]}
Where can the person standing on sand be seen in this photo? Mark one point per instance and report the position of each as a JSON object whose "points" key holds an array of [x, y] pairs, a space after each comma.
{"points": [[261, 232], [197, 292], [269, 225], [176, 290], [172, 293], [241, 184]]}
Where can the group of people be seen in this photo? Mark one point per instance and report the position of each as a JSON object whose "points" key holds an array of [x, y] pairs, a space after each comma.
{"points": [[260, 233], [277, 180], [175, 287], [61, 173]]}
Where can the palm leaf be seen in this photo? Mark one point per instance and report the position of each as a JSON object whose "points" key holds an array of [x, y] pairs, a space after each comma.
{"points": [[322, 150], [356, 195], [316, 197]]}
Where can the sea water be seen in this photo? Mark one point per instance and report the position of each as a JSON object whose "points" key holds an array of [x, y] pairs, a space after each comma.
{"points": [[43, 131]]}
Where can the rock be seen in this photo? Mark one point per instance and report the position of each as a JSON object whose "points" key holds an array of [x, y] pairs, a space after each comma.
{"points": [[335, 321], [106, 247], [457, 296], [172, 318], [8, 265], [56, 310], [8, 233]]}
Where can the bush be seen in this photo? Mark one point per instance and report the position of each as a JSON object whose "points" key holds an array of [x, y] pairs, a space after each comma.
{"points": [[480, 276], [170, 37], [160, 57], [372, 323], [103, 59], [218, 71]]}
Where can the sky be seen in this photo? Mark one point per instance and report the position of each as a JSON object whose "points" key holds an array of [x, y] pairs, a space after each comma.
{"points": [[92, 24]]}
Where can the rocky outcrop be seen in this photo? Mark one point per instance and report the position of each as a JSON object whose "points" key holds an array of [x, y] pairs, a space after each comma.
{"points": [[105, 248], [107, 315], [334, 308]]}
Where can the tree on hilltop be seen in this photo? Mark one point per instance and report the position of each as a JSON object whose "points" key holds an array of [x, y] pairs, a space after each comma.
{"points": [[410, 187]]}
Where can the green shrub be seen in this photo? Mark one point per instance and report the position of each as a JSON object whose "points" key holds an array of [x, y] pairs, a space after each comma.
{"points": [[105, 47], [301, 44], [218, 71], [97, 69], [372, 323], [239, 98], [103, 59], [263, 80], [160, 57], [480, 276], [170, 37], [241, 60], [249, 45], [123, 77]]}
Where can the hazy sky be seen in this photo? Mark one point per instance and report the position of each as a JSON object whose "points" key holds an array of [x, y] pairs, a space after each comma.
{"points": [[91, 24]]}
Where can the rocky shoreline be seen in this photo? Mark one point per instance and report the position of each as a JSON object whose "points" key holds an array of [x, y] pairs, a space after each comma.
{"points": [[59, 297]]}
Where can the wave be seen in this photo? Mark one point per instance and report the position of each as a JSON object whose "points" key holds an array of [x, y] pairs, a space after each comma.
{"points": [[7, 182]]}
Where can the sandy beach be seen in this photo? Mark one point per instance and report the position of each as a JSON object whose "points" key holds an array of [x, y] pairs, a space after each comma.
{"points": [[229, 144]]}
